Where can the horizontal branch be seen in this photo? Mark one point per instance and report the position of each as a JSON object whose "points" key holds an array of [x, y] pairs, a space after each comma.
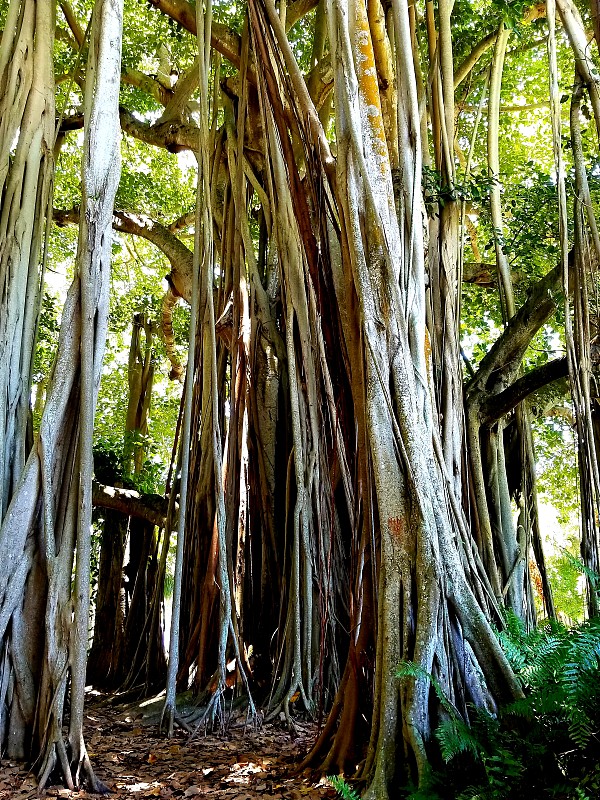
{"points": [[485, 275], [497, 406], [174, 136], [151, 507], [507, 352], [514, 109], [179, 256]]}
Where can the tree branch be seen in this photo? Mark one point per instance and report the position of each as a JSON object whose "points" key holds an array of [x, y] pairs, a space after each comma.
{"points": [[461, 72], [73, 23], [151, 507], [180, 257], [485, 275], [147, 84], [223, 39], [298, 9], [500, 404], [506, 354], [173, 136]]}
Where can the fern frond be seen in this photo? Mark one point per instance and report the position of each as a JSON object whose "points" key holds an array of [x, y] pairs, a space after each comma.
{"points": [[455, 737], [513, 651], [342, 788], [590, 574], [580, 727], [546, 662], [520, 708]]}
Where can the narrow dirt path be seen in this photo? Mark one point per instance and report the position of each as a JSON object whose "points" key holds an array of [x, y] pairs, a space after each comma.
{"points": [[136, 761]]}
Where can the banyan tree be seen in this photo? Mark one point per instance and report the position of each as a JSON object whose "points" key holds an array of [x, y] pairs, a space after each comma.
{"points": [[343, 487]]}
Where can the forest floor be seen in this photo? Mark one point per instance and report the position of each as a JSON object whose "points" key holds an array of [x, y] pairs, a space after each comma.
{"points": [[135, 760]]}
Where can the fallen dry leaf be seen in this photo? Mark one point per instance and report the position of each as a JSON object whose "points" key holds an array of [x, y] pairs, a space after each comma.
{"points": [[135, 760]]}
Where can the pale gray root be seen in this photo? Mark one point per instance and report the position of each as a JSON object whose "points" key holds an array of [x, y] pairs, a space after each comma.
{"points": [[27, 119], [445, 280], [168, 714], [577, 327], [202, 255], [204, 281], [50, 472], [505, 281], [100, 172], [299, 648], [578, 39]]}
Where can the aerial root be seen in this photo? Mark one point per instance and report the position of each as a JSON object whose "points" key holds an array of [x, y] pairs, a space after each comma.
{"points": [[215, 712]]}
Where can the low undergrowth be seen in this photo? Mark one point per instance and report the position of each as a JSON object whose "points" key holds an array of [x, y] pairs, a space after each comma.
{"points": [[546, 745]]}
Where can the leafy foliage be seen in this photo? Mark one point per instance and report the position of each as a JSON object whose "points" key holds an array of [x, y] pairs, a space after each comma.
{"points": [[475, 188], [567, 582], [543, 745], [47, 337], [342, 788]]}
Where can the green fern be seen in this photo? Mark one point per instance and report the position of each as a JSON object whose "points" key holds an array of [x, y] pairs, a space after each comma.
{"points": [[592, 576], [456, 737], [560, 667], [543, 744], [342, 788]]}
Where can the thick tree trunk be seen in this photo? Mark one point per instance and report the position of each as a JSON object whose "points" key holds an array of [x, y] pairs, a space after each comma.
{"points": [[26, 164], [418, 555], [51, 509]]}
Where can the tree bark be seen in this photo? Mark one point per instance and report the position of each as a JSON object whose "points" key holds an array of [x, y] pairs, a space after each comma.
{"points": [[59, 468]]}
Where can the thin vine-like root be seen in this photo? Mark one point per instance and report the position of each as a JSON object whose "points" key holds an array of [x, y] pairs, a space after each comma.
{"points": [[182, 724], [214, 710], [93, 783], [169, 301], [253, 722], [47, 767]]}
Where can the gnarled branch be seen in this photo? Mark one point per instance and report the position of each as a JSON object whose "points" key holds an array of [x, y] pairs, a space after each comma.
{"points": [[180, 257], [151, 507], [508, 350], [502, 403]]}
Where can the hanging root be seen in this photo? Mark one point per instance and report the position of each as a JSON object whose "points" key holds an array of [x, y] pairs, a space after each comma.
{"points": [[93, 783], [215, 710], [57, 756], [169, 302], [169, 718]]}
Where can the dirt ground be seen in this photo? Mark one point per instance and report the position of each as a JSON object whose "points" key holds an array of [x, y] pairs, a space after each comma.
{"points": [[135, 761]]}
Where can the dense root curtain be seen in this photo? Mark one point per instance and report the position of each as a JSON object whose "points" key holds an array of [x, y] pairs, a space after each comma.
{"points": [[429, 580], [46, 530], [26, 169]]}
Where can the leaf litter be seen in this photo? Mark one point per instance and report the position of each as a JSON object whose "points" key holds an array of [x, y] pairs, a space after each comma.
{"points": [[135, 760]]}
